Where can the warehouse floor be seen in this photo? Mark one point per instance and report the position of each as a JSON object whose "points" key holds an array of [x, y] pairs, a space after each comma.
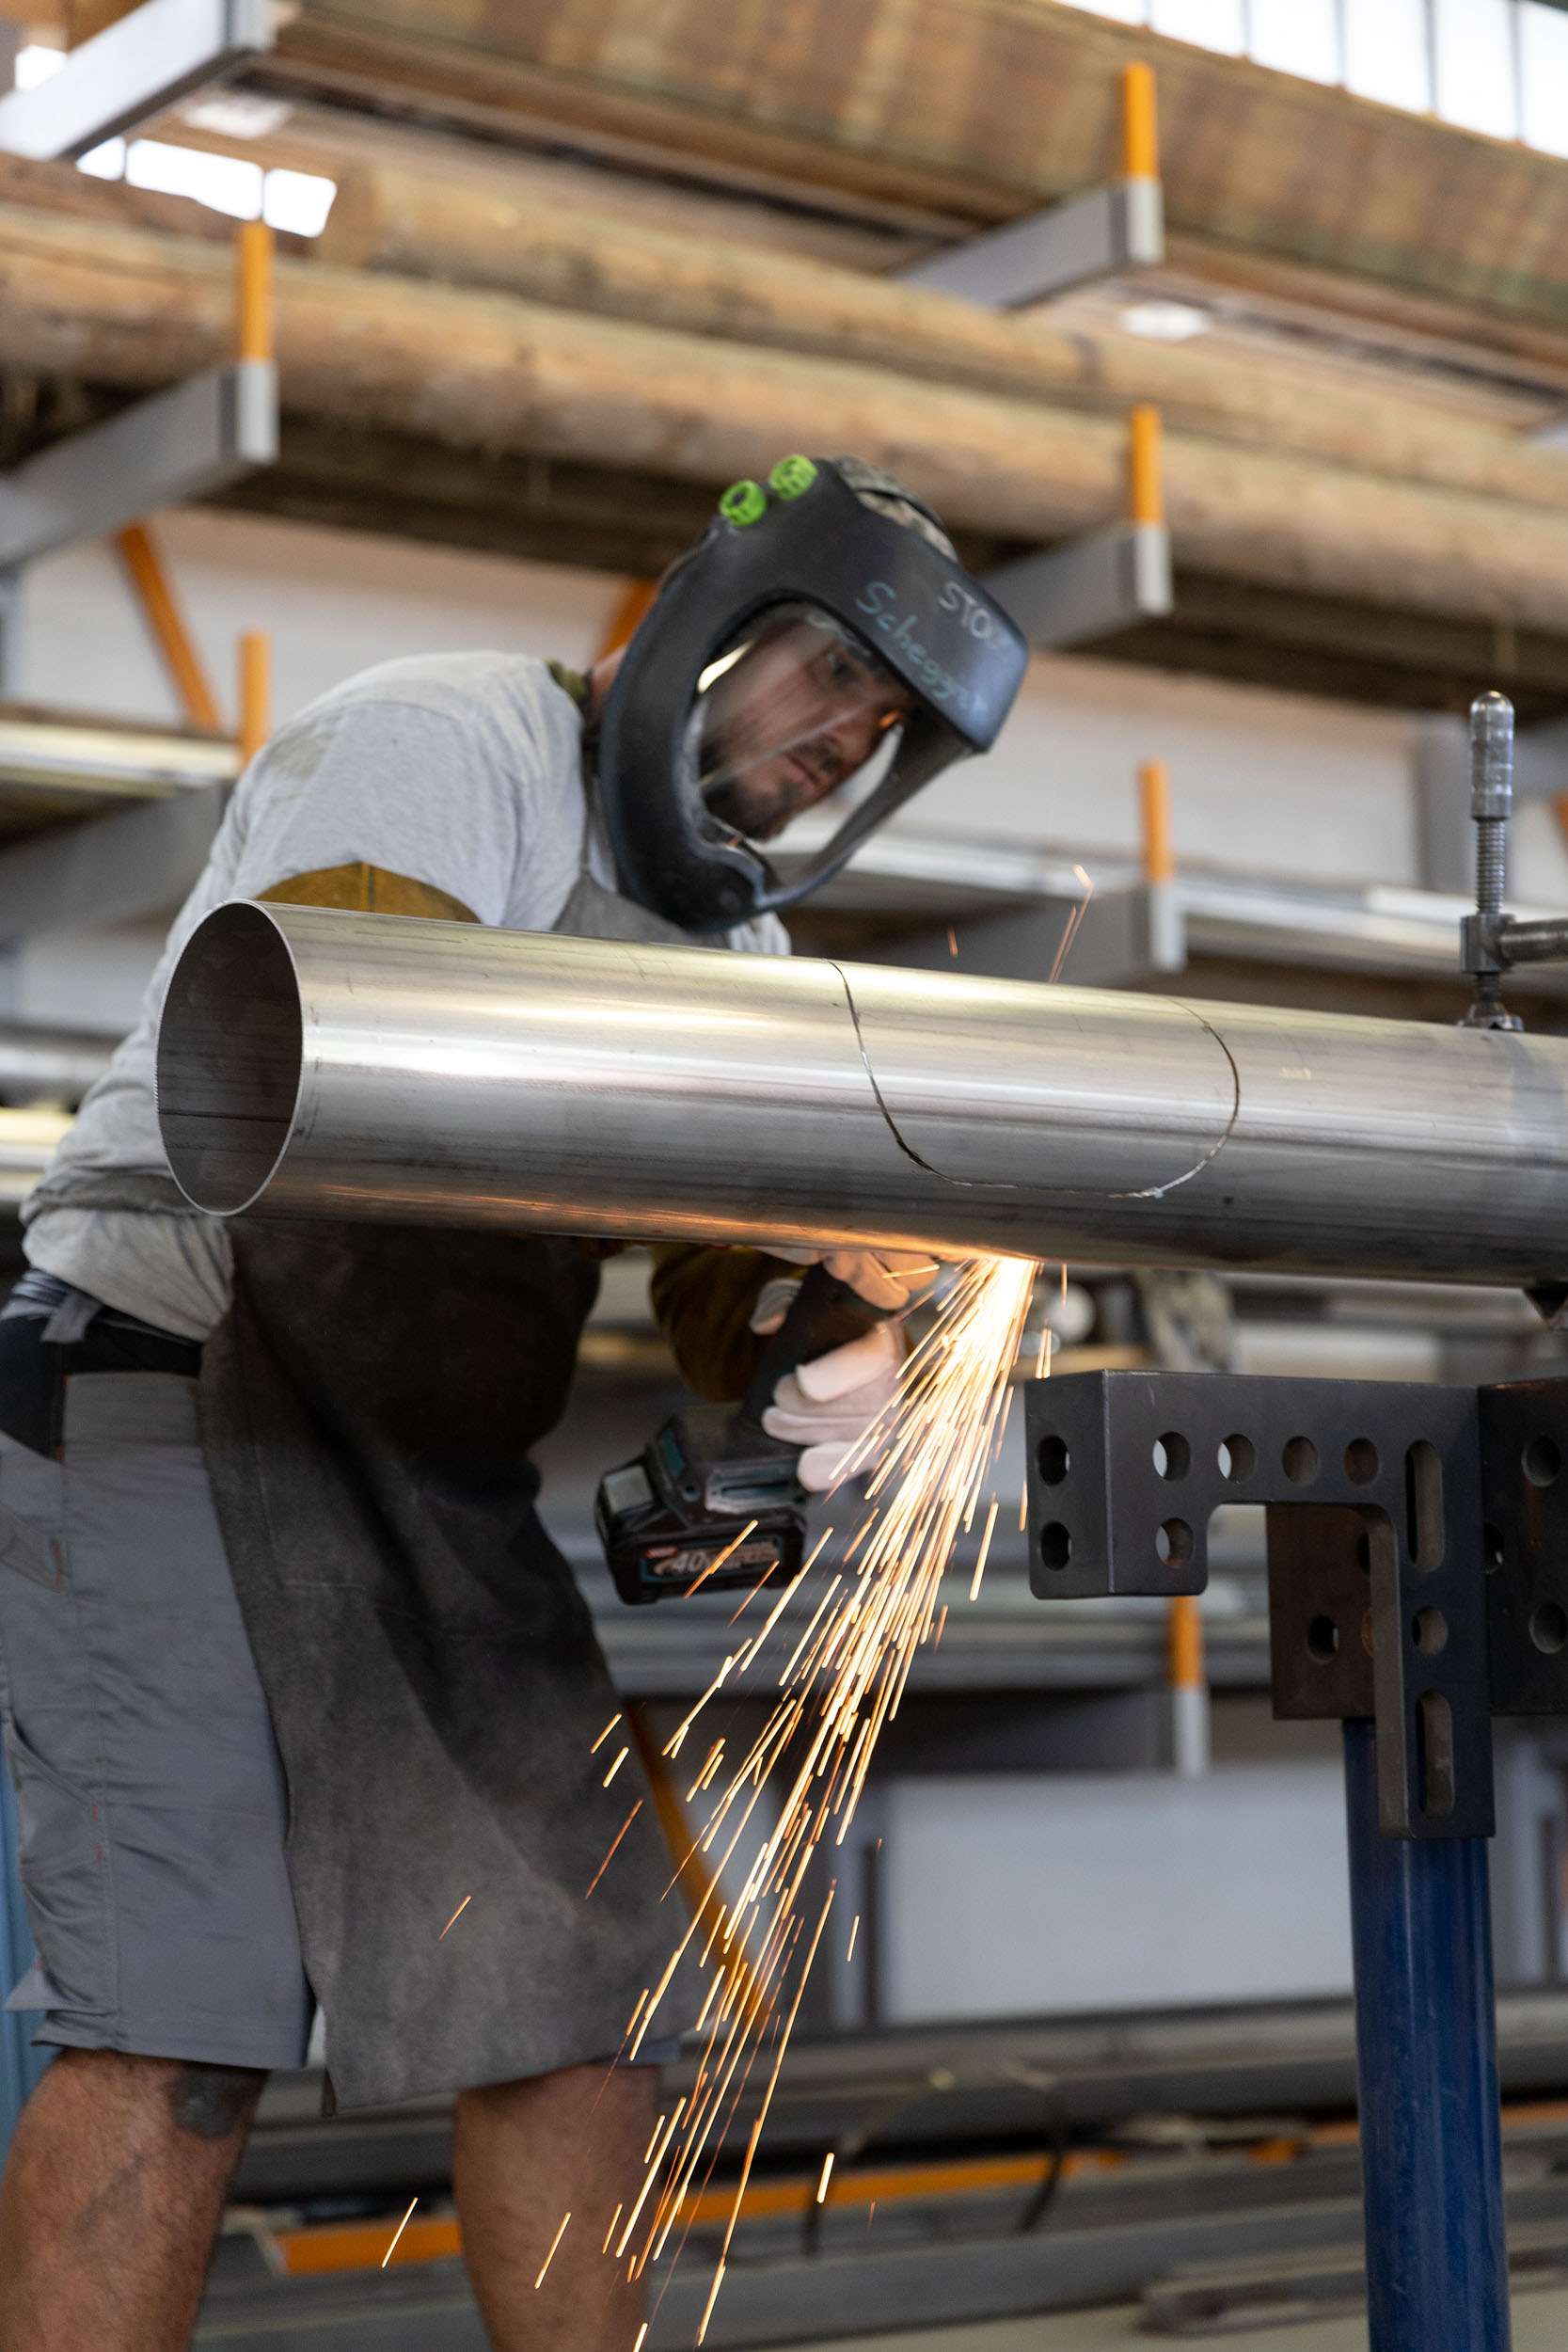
{"points": [[1540, 2325]]}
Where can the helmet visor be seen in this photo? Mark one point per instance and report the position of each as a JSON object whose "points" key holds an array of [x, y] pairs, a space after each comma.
{"points": [[793, 709]]}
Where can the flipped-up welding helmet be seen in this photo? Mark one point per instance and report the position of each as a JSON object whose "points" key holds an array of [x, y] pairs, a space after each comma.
{"points": [[820, 638]]}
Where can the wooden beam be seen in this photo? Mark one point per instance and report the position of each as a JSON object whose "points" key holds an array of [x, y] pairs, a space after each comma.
{"points": [[497, 376], [468, 232], [976, 112]]}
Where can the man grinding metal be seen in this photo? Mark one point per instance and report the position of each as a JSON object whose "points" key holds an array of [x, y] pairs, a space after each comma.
{"points": [[290, 1665]]}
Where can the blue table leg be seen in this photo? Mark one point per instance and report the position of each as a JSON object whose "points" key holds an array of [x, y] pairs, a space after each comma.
{"points": [[19, 2065], [1427, 2058]]}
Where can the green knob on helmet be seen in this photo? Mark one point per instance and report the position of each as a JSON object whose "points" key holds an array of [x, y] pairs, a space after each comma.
{"points": [[792, 477], [743, 502]]}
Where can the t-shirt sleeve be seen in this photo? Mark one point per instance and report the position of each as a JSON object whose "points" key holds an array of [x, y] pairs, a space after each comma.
{"points": [[401, 786]]}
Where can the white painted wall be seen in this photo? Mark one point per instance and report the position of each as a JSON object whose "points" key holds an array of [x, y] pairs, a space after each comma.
{"points": [[1067, 1892], [1263, 783]]}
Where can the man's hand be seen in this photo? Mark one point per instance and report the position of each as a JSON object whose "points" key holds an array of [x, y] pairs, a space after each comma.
{"points": [[827, 1406], [890, 1278]]}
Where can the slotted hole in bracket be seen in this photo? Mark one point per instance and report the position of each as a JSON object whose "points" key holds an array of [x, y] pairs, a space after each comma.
{"points": [[1173, 1543], [1543, 1461], [1429, 1630], [1173, 1456], [1549, 1627], [1300, 1460], [1423, 1504], [1053, 1460], [1236, 1456], [1323, 1640], [1435, 1755], [1055, 1543]]}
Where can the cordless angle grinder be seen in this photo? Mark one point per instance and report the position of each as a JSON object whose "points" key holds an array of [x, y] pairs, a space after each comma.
{"points": [[670, 1520]]}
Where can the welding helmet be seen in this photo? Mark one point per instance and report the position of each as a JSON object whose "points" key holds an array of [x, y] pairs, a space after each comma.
{"points": [[820, 639]]}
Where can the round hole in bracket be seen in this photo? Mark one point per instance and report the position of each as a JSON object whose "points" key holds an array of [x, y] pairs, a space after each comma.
{"points": [[1237, 1457], [1299, 1459], [1173, 1456], [1323, 1640], [1491, 1547], [1541, 1461], [1055, 1545], [1549, 1627], [1361, 1461], [1429, 1630], [1173, 1543], [1053, 1460]]}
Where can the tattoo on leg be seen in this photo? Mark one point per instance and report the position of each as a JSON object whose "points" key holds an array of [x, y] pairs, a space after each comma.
{"points": [[211, 2101]]}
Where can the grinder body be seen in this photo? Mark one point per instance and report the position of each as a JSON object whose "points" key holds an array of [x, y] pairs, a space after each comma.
{"points": [[666, 1518]]}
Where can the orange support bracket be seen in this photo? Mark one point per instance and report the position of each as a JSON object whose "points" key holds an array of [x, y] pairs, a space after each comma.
{"points": [[254, 692], [253, 293], [154, 593], [1140, 127]]}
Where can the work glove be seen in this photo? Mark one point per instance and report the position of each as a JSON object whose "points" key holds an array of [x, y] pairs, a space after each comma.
{"points": [[826, 1407], [890, 1278]]}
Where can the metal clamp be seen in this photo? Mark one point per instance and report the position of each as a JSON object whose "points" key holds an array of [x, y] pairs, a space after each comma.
{"points": [[1490, 942]]}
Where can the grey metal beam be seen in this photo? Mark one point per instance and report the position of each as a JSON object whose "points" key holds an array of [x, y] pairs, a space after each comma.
{"points": [[114, 870], [1101, 234], [175, 445], [132, 70], [1089, 587]]}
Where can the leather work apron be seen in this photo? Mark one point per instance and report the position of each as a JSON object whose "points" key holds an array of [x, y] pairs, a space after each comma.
{"points": [[368, 1410]]}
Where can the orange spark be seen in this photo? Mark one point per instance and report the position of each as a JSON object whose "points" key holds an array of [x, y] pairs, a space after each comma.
{"points": [[854, 1930], [826, 2175], [550, 2256], [698, 1582], [616, 1766], [604, 1735], [985, 1547], [455, 1916], [610, 1856], [398, 2232]]}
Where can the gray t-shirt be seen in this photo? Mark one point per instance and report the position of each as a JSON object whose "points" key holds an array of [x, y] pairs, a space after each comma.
{"points": [[460, 771]]}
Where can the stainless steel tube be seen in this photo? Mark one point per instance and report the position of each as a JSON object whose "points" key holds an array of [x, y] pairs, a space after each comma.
{"points": [[328, 1064]]}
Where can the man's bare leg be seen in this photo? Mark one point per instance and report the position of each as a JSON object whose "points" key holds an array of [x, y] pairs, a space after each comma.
{"points": [[112, 2197], [526, 2152]]}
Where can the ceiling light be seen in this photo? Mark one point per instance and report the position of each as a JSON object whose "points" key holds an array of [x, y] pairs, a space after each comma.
{"points": [[1164, 322]]}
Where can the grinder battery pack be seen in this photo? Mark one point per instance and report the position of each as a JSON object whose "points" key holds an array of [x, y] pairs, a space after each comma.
{"points": [[711, 1471]]}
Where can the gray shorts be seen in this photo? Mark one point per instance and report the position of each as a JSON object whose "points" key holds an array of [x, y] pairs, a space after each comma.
{"points": [[148, 1789]]}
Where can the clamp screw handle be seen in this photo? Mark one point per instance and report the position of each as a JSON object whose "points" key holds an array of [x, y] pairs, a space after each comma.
{"points": [[1491, 806]]}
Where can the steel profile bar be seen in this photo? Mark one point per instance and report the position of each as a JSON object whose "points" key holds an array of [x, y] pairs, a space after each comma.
{"points": [[1089, 587], [1100, 234], [344, 1065], [138, 862], [174, 445], [132, 70]]}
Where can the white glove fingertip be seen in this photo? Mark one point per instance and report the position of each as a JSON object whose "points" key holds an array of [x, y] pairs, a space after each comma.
{"points": [[820, 1466], [851, 1366]]}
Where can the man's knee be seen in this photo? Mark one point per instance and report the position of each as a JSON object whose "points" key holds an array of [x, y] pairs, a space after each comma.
{"points": [[212, 2101], [201, 2101]]}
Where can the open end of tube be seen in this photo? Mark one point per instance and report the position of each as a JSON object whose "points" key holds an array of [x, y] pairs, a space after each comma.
{"points": [[231, 1052]]}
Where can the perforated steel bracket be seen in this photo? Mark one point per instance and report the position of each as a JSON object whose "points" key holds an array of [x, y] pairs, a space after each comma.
{"points": [[1377, 1585]]}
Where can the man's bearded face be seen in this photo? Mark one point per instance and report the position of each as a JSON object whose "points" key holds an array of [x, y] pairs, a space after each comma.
{"points": [[788, 718]]}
